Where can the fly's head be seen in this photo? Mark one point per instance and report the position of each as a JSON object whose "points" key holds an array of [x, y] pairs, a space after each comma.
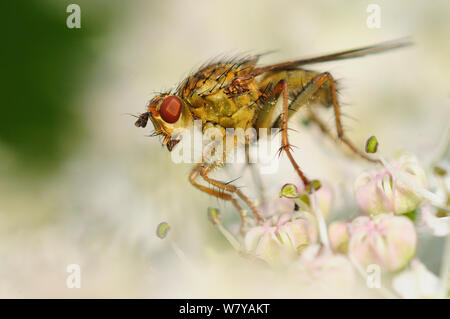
{"points": [[169, 115]]}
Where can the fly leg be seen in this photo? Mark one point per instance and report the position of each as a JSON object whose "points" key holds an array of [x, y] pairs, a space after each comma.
{"points": [[324, 128], [320, 88], [219, 194], [205, 170], [317, 82], [282, 88]]}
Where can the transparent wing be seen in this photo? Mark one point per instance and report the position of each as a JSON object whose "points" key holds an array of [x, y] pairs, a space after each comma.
{"points": [[349, 54]]}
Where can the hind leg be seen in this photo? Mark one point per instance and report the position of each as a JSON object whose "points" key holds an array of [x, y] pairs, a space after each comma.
{"points": [[302, 98], [308, 87], [320, 80]]}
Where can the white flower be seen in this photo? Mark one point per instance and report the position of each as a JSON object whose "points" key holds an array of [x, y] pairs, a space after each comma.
{"points": [[416, 282], [339, 236], [437, 223], [319, 263]]}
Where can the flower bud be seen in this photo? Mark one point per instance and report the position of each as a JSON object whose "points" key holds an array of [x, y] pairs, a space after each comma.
{"points": [[339, 237], [379, 192], [281, 239], [386, 240], [319, 265], [298, 233], [325, 199]]}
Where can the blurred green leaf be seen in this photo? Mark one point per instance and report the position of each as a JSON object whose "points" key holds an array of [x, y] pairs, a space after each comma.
{"points": [[44, 64]]}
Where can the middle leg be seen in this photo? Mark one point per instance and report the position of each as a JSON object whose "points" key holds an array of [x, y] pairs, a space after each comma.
{"points": [[285, 146]]}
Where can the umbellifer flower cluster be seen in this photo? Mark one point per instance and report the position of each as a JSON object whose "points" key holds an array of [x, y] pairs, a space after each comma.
{"points": [[394, 203]]}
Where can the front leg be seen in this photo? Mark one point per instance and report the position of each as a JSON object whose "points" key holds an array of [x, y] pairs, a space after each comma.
{"points": [[205, 170], [217, 193]]}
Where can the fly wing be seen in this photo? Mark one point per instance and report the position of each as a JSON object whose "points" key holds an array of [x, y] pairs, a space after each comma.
{"points": [[349, 54]]}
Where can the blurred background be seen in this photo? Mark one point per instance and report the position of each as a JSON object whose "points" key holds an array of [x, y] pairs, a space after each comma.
{"points": [[80, 184]]}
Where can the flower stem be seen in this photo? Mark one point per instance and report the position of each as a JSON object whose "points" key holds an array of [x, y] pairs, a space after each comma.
{"points": [[179, 253], [231, 239], [323, 232]]}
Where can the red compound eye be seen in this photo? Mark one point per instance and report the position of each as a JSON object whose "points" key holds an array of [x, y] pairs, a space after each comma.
{"points": [[170, 109]]}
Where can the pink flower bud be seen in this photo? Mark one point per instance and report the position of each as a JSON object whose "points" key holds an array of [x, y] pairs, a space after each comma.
{"points": [[386, 240], [339, 236], [379, 192], [325, 199]]}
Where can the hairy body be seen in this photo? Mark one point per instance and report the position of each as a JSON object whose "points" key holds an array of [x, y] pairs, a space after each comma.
{"points": [[237, 93]]}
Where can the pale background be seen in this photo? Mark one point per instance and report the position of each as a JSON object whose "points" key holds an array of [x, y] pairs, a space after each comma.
{"points": [[98, 203]]}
